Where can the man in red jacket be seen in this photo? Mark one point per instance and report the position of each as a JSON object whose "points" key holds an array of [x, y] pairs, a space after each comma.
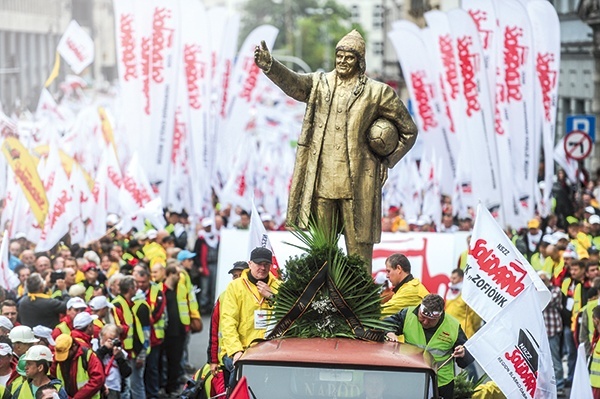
{"points": [[73, 359]]}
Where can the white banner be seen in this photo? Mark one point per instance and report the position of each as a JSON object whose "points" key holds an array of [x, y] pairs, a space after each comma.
{"points": [[477, 111], [76, 47], [513, 349], [422, 80], [129, 66], [581, 387], [496, 272], [546, 38], [195, 40], [260, 238], [8, 279], [166, 60], [432, 255], [61, 206], [515, 60]]}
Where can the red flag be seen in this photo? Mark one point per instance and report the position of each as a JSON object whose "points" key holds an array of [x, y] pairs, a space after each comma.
{"points": [[241, 390]]}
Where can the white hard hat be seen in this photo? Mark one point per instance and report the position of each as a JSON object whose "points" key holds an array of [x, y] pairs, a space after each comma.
{"points": [[38, 352], [22, 334], [6, 323]]}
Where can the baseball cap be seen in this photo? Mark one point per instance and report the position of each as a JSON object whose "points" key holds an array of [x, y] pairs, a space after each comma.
{"points": [[5, 349], [44, 332], [112, 219], [152, 234], [260, 254], [100, 302], [594, 219], [22, 334], [89, 266], [550, 239], [185, 254], [38, 352], [6, 323], [239, 265], [559, 235], [590, 209], [569, 253], [82, 320], [533, 224], [20, 235], [207, 222], [63, 344], [76, 303]]}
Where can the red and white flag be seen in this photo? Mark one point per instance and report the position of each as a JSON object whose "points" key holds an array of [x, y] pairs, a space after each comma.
{"points": [[546, 38], [114, 181], [76, 47], [513, 349], [96, 224], [423, 82], [260, 238], [61, 206], [496, 272]]}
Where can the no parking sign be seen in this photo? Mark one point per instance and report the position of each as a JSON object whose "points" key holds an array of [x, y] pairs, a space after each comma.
{"points": [[578, 145]]}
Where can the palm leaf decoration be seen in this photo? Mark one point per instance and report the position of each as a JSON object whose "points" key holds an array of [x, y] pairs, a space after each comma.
{"points": [[326, 293]]}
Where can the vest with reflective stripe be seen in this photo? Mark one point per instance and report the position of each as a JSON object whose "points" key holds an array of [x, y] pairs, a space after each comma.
{"points": [[577, 299], [441, 344], [64, 328], [17, 382], [82, 374], [130, 319], [182, 299], [25, 391], [595, 367], [159, 326]]}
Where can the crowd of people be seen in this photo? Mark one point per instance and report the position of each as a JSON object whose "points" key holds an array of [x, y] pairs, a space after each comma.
{"points": [[109, 321]]}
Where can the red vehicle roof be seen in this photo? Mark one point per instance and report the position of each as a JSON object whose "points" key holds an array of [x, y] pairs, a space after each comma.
{"points": [[342, 351]]}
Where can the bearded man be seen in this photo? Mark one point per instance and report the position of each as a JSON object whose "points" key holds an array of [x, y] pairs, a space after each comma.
{"points": [[338, 177]]}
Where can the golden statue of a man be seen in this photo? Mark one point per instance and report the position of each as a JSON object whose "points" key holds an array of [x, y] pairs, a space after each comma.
{"points": [[337, 174]]}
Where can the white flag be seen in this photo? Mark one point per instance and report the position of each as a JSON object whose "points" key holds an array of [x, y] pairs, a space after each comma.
{"points": [[76, 47], [513, 350], [581, 388], [496, 272], [8, 279], [61, 207], [260, 238]]}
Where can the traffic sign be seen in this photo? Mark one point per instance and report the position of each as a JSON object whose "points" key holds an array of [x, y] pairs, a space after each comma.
{"points": [[578, 145], [585, 123]]}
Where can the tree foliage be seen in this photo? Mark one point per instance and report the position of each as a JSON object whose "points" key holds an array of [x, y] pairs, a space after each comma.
{"points": [[308, 29]]}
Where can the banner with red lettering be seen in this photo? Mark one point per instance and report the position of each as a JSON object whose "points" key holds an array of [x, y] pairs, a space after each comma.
{"points": [[244, 88], [515, 60], [422, 81], [76, 47], [484, 15], [83, 200], [136, 191], [477, 112], [96, 223], [496, 272], [432, 255], [513, 349], [114, 181], [223, 55], [165, 67], [62, 209], [546, 38], [128, 24], [197, 69]]}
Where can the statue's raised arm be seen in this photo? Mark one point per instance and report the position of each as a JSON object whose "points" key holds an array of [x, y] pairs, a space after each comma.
{"points": [[262, 57]]}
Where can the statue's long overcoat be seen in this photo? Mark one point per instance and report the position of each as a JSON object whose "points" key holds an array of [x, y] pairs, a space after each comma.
{"points": [[370, 101]]}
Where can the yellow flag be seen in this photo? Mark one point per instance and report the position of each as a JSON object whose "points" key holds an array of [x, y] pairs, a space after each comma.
{"points": [[55, 71], [23, 165]]}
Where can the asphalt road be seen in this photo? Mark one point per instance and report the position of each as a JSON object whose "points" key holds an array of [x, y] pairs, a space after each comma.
{"points": [[198, 345]]}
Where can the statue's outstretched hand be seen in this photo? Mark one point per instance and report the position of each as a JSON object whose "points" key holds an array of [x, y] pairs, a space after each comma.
{"points": [[262, 56]]}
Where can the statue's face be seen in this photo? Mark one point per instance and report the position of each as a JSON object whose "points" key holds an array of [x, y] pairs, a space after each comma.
{"points": [[346, 64]]}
